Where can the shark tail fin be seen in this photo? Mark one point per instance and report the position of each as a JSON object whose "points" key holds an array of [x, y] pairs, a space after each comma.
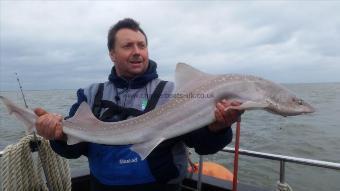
{"points": [[25, 116]]}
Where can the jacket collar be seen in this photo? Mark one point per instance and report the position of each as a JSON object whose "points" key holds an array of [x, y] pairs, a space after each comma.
{"points": [[137, 82]]}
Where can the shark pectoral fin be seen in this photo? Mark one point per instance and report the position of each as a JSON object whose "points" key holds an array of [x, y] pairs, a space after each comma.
{"points": [[145, 148], [249, 105], [73, 140]]}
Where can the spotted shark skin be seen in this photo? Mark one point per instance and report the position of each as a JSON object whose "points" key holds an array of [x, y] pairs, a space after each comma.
{"points": [[190, 107]]}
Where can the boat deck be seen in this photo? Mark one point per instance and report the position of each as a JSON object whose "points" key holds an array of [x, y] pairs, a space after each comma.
{"points": [[81, 182]]}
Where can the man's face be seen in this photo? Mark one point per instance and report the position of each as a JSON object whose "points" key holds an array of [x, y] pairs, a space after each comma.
{"points": [[130, 53]]}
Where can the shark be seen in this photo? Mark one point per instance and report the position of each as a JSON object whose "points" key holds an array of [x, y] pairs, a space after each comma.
{"points": [[190, 107]]}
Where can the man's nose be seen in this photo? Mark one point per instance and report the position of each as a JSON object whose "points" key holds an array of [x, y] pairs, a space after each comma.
{"points": [[136, 49]]}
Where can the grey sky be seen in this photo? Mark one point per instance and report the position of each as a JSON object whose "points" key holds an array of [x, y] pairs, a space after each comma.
{"points": [[58, 45]]}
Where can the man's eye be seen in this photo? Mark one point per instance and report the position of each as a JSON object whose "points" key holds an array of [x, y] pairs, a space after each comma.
{"points": [[142, 46]]}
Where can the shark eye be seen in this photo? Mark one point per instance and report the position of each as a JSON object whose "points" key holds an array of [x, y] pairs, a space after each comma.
{"points": [[299, 101]]}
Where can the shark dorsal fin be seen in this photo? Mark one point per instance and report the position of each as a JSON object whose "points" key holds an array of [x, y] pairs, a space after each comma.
{"points": [[187, 75]]}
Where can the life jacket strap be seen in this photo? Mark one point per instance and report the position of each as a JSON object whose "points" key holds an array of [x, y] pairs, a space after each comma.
{"points": [[96, 108], [124, 112]]}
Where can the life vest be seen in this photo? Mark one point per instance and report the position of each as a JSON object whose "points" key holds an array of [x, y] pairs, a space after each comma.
{"points": [[118, 165]]}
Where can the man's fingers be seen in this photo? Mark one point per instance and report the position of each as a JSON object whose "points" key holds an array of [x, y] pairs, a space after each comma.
{"points": [[39, 111], [231, 103], [220, 106], [58, 132], [49, 125], [219, 116], [59, 117], [235, 103]]}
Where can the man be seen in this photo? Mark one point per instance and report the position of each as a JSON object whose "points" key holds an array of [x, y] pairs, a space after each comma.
{"points": [[134, 88]]}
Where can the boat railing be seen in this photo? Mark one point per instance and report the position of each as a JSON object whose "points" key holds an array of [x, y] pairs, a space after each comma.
{"points": [[283, 159]]}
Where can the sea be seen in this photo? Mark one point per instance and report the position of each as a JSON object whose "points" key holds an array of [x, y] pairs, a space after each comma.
{"points": [[312, 136]]}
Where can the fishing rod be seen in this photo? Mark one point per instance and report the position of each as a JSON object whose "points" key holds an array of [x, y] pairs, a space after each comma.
{"points": [[35, 139], [22, 92]]}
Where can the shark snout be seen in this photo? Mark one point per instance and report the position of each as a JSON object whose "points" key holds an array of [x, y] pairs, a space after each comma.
{"points": [[308, 109]]}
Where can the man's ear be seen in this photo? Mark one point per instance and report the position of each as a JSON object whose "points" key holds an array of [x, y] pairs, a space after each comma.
{"points": [[112, 56]]}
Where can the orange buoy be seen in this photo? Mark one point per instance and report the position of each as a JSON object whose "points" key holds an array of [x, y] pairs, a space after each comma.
{"points": [[214, 170]]}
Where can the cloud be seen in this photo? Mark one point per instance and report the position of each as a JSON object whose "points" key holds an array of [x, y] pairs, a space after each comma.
{"points": [[54, 44]]}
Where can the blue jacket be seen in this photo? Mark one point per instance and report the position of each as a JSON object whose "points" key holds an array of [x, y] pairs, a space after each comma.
{"points": [[118, 165]]}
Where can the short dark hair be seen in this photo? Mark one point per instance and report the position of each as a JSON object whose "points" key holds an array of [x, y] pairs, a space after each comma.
{"points": [[127, 23]]}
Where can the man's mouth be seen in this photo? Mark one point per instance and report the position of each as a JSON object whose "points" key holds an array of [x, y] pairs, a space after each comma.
{"points": [[135, 62]]}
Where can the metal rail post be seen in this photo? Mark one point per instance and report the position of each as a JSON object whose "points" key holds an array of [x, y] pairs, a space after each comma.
{"points": [[282, 172]]}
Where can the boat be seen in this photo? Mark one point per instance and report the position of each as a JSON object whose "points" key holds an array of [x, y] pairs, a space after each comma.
{"points": [[200, 182]]}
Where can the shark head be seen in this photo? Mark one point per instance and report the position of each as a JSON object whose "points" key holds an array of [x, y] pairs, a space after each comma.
{"points": [[258, 93], [285, 103]]}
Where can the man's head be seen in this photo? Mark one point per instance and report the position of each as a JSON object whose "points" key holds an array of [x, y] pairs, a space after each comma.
{"points": [[127, 44]]}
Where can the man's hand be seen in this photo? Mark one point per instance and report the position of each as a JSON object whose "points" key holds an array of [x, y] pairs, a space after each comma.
{"points": [[48, 125], [225, 118]]}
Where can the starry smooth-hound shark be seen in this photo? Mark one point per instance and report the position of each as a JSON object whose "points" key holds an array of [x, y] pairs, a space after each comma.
{"points": [[190, 107]]}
